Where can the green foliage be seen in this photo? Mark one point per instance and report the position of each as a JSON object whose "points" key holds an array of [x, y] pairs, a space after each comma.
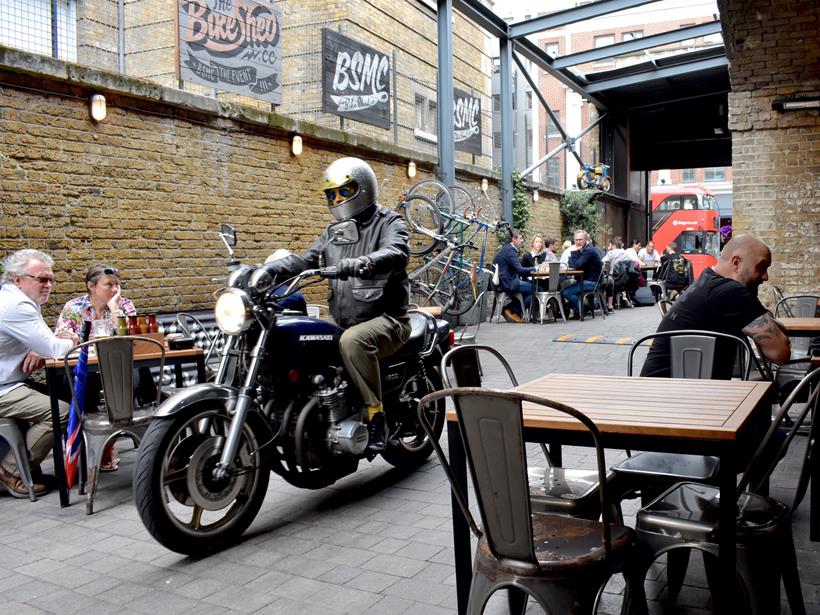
{"points": [[520, 203], [579, 210]]}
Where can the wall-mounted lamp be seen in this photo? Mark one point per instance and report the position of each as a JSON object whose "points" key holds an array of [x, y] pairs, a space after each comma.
{"points": [[296, 145], [411, 169], [484, 184], [535, 195], [795, 102], [97, 107]]}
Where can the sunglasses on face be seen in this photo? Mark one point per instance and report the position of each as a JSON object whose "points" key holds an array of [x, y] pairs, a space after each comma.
{"points": [[42, 279], [343, 191]]}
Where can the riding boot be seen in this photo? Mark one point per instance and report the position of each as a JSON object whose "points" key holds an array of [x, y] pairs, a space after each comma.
{"points": [[377, 429]]}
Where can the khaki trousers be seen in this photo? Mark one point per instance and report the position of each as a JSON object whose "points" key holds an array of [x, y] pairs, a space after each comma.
{"points": [[364, 344], [30, 406]]}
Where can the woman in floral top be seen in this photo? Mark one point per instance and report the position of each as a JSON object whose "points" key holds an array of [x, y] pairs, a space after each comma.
{"points": [[103, 301]]}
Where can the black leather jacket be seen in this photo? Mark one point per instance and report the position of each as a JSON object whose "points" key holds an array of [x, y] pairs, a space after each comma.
{"points": [[384, 239]]}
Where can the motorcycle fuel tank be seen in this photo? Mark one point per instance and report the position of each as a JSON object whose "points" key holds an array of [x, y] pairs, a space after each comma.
{"points": [[304, 345]]}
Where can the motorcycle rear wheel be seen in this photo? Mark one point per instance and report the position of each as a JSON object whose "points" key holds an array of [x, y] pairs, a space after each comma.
{"points": [[180, 502], [412, 447]]}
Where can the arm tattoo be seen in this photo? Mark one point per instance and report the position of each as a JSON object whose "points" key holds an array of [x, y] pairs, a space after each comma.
{"points": [[763, 329]]}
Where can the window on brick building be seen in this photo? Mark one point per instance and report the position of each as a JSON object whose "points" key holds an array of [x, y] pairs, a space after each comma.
{"points": [[631, 36], [497, 140], [604, 40], [552, 129], [687, 176], [426, 114], [496, 102], [529, 99], [554, 171], [552, 49], [714, 174], [40, 26]]}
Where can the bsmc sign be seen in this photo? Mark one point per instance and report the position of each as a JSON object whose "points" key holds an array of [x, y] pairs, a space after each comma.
{"points": [[232, 45], [355, 80], [467, 122]]}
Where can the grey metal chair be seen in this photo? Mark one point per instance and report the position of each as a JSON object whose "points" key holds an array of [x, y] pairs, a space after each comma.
{"points": [[552, 294], [568, 491], [663, 306], [115, 360], [501, 298], [10, 432], [685, 517], [596, 293], [561, 562], [468, 334], [798, 306]]}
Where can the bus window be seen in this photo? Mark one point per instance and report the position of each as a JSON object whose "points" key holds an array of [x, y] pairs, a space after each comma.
{"points": [[670, 203], [711, 244], [690, 201], [699, 242], [709, 202]]}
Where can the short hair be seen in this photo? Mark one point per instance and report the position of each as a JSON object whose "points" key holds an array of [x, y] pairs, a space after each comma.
{"points": [[97, 270], [672, 245], [548, 241], [580, 230], [16, 263], [636, 242], [617, 242], [515, 233]]}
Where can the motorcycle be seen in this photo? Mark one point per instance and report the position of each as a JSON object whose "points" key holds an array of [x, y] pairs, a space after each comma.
{"points": [[594, 177], [281, 401]]}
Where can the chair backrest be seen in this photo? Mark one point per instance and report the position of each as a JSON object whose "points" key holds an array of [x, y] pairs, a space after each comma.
{"points": [[462, 366], [554, 283], [692, 352], [472, 321], [115, 361], [491, 426], [798, 306], [664, 305], [774, 445]]}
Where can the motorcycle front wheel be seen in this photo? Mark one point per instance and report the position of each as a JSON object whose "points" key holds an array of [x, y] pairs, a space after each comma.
{"points": [[180, 502], [411, 446]]}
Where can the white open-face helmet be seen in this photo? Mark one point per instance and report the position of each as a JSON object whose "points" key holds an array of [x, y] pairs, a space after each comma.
{"points": [[355, 182]]}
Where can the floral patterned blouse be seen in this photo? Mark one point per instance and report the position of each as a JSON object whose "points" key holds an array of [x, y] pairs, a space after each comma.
{"points": [[78, 310]]}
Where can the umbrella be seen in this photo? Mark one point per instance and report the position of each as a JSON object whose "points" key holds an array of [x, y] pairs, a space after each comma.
{"points": [[75, 414]]}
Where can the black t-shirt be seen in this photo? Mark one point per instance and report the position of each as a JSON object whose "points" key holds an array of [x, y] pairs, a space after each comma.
{"points": [[713, 303]]}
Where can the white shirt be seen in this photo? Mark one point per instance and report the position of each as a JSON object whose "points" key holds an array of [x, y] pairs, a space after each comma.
{"points": [[648, 258], [22, 329], [565, 254], [615, 255], [630, 252]]}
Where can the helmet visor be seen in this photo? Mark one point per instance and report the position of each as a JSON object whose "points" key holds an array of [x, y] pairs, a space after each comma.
{"points": [[344, 192]]}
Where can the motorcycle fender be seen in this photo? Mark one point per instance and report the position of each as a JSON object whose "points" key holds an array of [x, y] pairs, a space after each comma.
{"points": [[195, 394]]}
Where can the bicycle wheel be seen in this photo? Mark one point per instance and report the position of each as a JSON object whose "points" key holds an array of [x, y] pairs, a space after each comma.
{"points": [[465, 290], [463, 204], [432, 288], [437, 192], [424, 220]]}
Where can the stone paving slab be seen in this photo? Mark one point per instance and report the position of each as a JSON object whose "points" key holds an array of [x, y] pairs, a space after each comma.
{"points": [[376, 543]]}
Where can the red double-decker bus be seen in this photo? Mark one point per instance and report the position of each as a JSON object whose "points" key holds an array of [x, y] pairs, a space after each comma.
{"points": [[688, 215]]}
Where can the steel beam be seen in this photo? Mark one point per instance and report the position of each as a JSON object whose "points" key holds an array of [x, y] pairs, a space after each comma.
{"points": [[505, 79], [638, 44], [579, 13], [444, 84], [482, 16], [658, 73]]}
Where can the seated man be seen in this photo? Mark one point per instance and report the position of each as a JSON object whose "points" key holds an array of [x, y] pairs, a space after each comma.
{"points": [[724, 299], [24, 340], [615, 255], [510, 271], [586, 258], [675, 272]]}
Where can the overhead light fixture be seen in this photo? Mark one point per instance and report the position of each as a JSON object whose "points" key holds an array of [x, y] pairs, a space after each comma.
{"points": [[535, 195], [796, 102], [97, 107], [411, 169], [296, 145], [484, 184]]}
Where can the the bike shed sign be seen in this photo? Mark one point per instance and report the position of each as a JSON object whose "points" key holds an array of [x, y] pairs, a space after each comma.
{"points": [[467, 122], [232, 45], [355, 80]]}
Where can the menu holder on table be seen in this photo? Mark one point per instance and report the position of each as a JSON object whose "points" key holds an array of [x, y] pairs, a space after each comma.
{"points": [[141, 347]]}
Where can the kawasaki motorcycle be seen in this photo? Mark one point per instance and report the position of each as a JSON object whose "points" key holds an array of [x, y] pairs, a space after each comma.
{"points": [[281, 401]]}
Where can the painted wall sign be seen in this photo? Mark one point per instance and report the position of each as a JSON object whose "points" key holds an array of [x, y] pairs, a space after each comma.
{"points": [[467, 122], [355, 80], [232, 45]]}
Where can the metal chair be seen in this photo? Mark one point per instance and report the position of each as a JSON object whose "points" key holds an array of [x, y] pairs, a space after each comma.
{"points": [[686, 517], [663, 306], [10, 432], [472, 322], [553, 489], [691, 356], [798, 306], [561, 562], [553, 293], [115, 360], [596, 293], [501, 298]]}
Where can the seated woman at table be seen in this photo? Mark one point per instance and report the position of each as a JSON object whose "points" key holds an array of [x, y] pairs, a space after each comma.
{"points": [[537, 256], [103, 302]]}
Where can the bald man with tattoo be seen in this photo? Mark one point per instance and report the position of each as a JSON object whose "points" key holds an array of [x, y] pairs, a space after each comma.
{"points": [[724, 299]]}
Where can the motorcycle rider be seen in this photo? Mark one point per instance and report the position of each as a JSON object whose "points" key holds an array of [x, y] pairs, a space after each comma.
{"points": [[369, 298]]}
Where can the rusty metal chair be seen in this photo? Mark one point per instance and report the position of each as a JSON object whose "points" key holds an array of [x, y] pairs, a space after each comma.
{"points": [[568, 491], [686, 517], [561, 562]]}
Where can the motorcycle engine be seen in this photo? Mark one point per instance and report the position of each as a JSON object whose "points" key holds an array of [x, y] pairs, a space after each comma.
{"points": [[346, 433]]}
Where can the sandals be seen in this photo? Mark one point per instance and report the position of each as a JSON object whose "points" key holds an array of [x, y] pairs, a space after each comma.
{"points": [[110, 466]]}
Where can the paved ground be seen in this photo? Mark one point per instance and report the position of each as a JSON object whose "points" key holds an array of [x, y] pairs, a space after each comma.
{"points": [[377, 542]]}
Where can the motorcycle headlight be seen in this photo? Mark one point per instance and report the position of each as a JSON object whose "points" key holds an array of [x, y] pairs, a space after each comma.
{"points": [[233, 311]]}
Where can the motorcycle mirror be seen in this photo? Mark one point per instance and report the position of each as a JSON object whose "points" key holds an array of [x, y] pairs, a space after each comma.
{"points": [[344, 233], [228, 234]]}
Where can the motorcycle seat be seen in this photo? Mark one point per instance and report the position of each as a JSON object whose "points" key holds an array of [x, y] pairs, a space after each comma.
{"points": [[418, 334]]}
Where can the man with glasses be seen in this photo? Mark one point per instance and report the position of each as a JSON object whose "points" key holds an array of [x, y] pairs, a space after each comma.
{"points": [[370, 297], [24, 340], [586, 258]]}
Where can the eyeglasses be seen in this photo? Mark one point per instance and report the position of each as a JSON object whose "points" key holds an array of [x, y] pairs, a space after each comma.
{"points": [[343, 191], [42, 279]]}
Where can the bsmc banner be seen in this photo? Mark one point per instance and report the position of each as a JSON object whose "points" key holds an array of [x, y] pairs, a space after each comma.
{"points": [[467, 122], [232, 45], [355, 80]]}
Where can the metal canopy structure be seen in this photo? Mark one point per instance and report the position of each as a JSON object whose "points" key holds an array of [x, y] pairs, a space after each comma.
{"points": [[673, 108]]}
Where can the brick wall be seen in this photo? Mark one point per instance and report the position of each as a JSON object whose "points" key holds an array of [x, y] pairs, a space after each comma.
{"points": [[146, 189], [774, 50]]}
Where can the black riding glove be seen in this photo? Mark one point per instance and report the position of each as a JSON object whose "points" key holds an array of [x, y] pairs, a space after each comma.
{"points": [[359, 267], [263, 278]]}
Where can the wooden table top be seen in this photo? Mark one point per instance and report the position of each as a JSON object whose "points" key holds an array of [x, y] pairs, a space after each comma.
{"points": [[674, 407], [149, 356], [546, 274], [801, 325]]}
